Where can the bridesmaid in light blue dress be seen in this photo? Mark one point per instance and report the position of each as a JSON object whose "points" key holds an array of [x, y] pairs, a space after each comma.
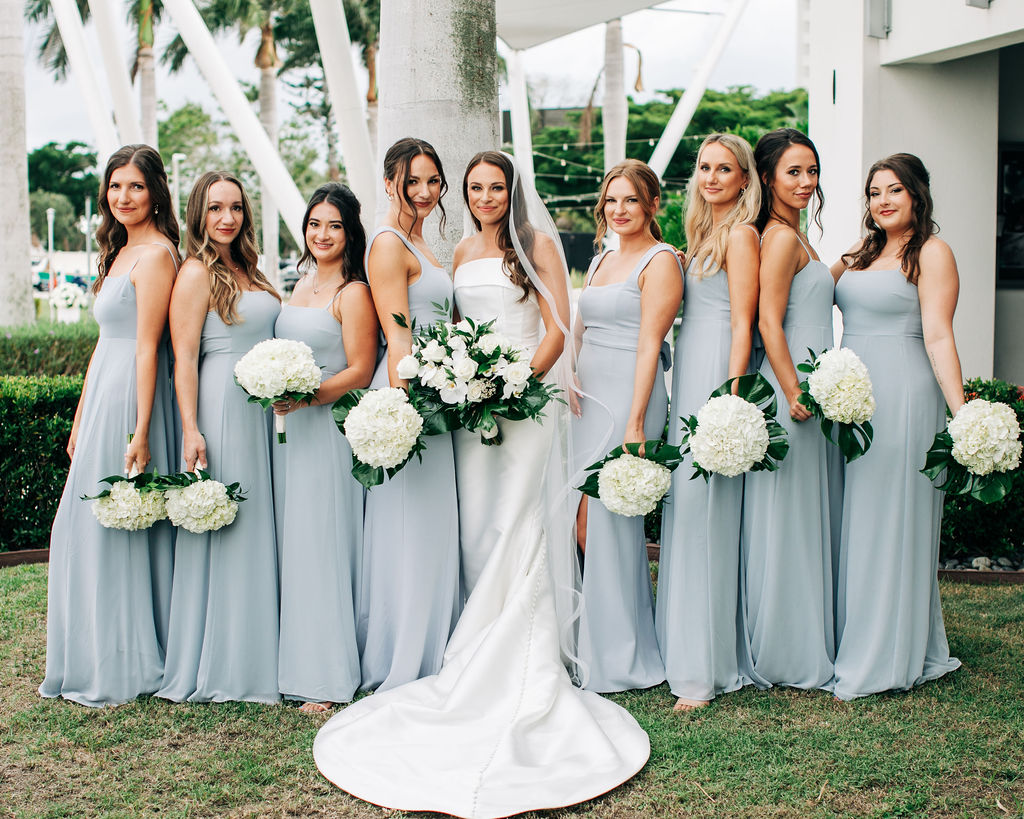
{"points": [[222, 642], [626, 309], [698, 572], [897, 290], [109, 589], [786, 586], [317, 503], [409, 598]]}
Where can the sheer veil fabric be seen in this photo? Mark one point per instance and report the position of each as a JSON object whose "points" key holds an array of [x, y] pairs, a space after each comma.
{"points": [[501, 729]]}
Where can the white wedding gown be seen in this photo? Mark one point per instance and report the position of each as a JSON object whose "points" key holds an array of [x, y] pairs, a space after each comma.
{"points": [[500, 729]]}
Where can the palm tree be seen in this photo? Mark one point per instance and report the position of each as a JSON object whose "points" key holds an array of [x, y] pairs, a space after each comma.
{"points": [[16, 306], [143, 15]]}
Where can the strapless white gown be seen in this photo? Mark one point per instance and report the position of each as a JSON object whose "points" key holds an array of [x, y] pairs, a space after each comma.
{"points": [[500, 729]]}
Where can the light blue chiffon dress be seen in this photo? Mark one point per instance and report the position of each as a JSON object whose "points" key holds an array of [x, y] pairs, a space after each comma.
{"points": [[222, 643], [888, 611], [617, 641], [409, 596], [318, 506], [786, 569], [698, 569], [109, 589]]}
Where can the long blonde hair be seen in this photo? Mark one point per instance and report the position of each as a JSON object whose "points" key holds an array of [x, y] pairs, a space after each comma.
{"points": [[224, 290], [706, 242], [648, 188]]}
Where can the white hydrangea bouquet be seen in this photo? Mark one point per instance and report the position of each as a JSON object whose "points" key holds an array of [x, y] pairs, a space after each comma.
{"points": [[130, 503], [631, 484], [383, 429], [275, 370], [463, 375], [198, 503], [979, 451], [68, 296], [838, 393], [732, 434]]}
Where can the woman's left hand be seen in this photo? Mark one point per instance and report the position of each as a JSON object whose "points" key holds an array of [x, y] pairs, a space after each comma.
{"points": [[288, 405], [136, 457], [635, 435]]}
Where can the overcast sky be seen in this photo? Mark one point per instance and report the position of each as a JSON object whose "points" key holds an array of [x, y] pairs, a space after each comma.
{"points": [[762, 53]]}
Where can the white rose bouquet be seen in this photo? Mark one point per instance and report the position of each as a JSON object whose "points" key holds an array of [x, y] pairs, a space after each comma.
{"points": [[383, 429], [68, 296], [278, 369], [733, 434], [629, 483], [130, 503], [198, 503], [838, 393], [979, 451], [464, 375]]}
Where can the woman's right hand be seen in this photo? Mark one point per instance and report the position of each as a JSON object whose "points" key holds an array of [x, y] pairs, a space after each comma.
{"points": [[194, 450], [575, 407], [797, 411], [71, 441]]}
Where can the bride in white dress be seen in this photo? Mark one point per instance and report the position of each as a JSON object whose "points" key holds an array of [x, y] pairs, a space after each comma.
{"points": [[501, 729]]}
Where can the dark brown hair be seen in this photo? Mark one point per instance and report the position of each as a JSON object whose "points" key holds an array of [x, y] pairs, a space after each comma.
{"points": [[334, 193], [524, 232], [397, 161], [111, 235], [767, 153], [914, 177]]}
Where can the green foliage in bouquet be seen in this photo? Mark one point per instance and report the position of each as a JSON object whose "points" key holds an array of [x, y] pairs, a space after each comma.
{"points": [[853, 439], [658, 451], [180, 480]]}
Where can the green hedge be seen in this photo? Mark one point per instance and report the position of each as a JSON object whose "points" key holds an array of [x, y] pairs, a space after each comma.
{"points": [[47, 349], [970, 527], [35, 420]]}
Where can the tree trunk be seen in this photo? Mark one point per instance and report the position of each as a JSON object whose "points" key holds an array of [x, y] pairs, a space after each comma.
{"points": [[267, 62], [370, 61], [614, 112], [146, 68], [450, 99], [16, 304]]}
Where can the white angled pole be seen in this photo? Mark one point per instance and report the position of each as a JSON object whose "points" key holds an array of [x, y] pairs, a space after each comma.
{"points": [[72, 33], [519, 114], [247, 127], [117, 75], [680, 119]]}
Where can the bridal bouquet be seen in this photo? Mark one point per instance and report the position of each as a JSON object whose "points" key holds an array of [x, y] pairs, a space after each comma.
{"points": [[733, 434], [198, 503], [275, 370], [629, 483], [464, 375], [130, 503], [980, 450], [838, 393], [383, 429]]}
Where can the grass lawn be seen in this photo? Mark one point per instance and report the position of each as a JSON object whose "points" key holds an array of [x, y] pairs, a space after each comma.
{"points": [[952, 748]]}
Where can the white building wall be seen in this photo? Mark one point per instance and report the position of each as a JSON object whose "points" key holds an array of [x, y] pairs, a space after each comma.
{"points": [[946, 113]]}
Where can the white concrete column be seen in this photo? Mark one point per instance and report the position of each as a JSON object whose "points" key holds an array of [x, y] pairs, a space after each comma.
{"points": [[16, 304], [353, 131], [615, 108], [72, 33], [448, 96], [107, 31], [247, 127]]}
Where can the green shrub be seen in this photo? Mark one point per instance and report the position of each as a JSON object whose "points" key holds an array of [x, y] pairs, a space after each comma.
{"points": [[970, 527], [47, 349], [36, 413]]}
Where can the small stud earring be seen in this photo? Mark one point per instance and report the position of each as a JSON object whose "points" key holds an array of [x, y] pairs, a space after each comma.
{"points": [[156, 208]]}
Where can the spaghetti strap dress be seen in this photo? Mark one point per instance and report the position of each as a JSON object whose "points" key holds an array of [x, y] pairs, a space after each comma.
{"points": [[318, 507], [617, 640], [409, 596], [109, 589]]}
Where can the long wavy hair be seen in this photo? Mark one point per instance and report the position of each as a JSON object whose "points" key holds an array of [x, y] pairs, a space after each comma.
{"points": [[334, 193], [516, 208], [767, 153], [915, 178], [397, 161], [648, 188], [224, 290], [111, 235], [706, 243]]}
